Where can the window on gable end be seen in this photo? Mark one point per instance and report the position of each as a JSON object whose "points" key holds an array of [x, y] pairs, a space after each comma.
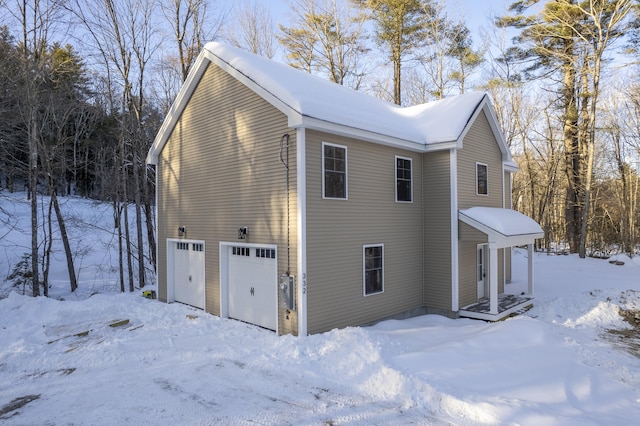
{"points": [[482, 182], [334, 171], [404, 190]]}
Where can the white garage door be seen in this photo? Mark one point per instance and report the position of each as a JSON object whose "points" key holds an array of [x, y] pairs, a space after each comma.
{"points": [[253, 285], [188, 273]]}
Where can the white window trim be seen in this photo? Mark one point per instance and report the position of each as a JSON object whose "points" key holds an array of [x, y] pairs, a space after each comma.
{"points": [[346, 172], [396, 178], [476, 183], [364, 271]]}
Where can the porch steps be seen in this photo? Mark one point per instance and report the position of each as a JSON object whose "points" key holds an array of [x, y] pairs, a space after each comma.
{"points": [[520, 311]]}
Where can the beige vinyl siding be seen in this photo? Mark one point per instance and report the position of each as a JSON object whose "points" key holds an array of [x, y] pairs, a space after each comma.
{"points": [[437, 230], [337, 230], [469, 238], [479, 146], [219, 171]]}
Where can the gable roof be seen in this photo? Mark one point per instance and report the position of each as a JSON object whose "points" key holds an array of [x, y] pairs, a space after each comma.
{"points": [[312, 102]]}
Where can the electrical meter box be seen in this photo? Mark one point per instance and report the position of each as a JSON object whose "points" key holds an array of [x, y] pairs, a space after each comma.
{"points": [[287, 291]]}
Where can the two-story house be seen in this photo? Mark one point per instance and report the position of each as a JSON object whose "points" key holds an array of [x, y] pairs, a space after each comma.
{"points": [[299, 205]]}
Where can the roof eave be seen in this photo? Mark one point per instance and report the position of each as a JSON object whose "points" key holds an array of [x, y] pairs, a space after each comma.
{"points": [[299, 121], [485, 105]]}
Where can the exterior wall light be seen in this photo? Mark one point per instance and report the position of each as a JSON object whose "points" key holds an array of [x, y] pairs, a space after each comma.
{"points": [[242, 233]]}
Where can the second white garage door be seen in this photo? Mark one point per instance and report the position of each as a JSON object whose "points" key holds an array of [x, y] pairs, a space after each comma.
{"points": [[253, 285]]}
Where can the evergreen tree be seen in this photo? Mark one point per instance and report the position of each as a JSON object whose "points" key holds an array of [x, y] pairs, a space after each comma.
{"points": [[569, 38], [400, 29]]}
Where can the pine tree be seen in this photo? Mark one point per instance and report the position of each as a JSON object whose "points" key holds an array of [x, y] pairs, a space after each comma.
{"points": [[400, 28], [569, 38]]}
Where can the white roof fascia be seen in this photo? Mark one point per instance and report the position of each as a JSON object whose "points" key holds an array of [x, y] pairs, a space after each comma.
{"points": [[472, 119], [353, 132], [271, 98], [510, 166], [193, 78], [497, 132], [485, 105]]}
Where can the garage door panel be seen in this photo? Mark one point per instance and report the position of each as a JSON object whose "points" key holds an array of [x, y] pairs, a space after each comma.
{"points": [[188, 277], [252, 285]]}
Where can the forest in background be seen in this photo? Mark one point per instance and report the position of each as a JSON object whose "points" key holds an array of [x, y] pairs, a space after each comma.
{"points": [[86, 84]]}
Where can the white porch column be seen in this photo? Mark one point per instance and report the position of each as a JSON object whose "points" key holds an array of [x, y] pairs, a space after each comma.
{"points": [[530, 269], [493, 280]]}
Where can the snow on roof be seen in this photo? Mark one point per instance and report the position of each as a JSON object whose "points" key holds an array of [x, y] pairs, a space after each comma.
{"points": [[506, 222], [315, 103], [317, 98]]}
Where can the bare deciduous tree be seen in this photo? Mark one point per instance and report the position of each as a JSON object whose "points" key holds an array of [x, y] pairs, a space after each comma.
{"points": [[252, 29], [327, 37]]}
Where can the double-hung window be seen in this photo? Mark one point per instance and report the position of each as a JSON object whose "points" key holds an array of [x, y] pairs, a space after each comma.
{"points": [[334, 171], [482, 182], [404, 191], [373, 268]]}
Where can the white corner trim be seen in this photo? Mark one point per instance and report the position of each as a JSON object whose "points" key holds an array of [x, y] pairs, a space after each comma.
{"points": [[301, 185], [455, 290]]}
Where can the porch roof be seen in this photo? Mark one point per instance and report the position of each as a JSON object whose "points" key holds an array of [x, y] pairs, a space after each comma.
{"points": [[504, 227]]}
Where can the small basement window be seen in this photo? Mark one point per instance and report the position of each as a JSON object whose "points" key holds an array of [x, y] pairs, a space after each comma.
{"points": [[373, 269]]}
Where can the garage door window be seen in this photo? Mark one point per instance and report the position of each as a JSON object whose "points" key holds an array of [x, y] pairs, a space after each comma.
{"points": [[266, 253], [373, 269], [241, 251]]}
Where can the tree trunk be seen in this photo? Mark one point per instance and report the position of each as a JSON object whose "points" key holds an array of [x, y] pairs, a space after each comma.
{"points": [[65, 241], [397, 86], [141, 268], [572, 159], [149, 218], [33, 192], [46, 256]]}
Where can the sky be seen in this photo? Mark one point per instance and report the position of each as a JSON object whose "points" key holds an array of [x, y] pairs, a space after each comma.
{"points": [[475, 12]]}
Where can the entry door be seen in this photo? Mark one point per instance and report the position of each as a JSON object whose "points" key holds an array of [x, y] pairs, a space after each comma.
{"points": [[188, 277], [481, 270], [253, 285]]}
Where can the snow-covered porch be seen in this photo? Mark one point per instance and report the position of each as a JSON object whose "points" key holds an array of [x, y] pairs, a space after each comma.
{"points": [[504, 228], [508, 304]]}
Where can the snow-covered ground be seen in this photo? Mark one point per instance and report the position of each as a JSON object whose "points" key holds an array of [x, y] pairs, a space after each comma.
{"points": [[171, 364]]}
